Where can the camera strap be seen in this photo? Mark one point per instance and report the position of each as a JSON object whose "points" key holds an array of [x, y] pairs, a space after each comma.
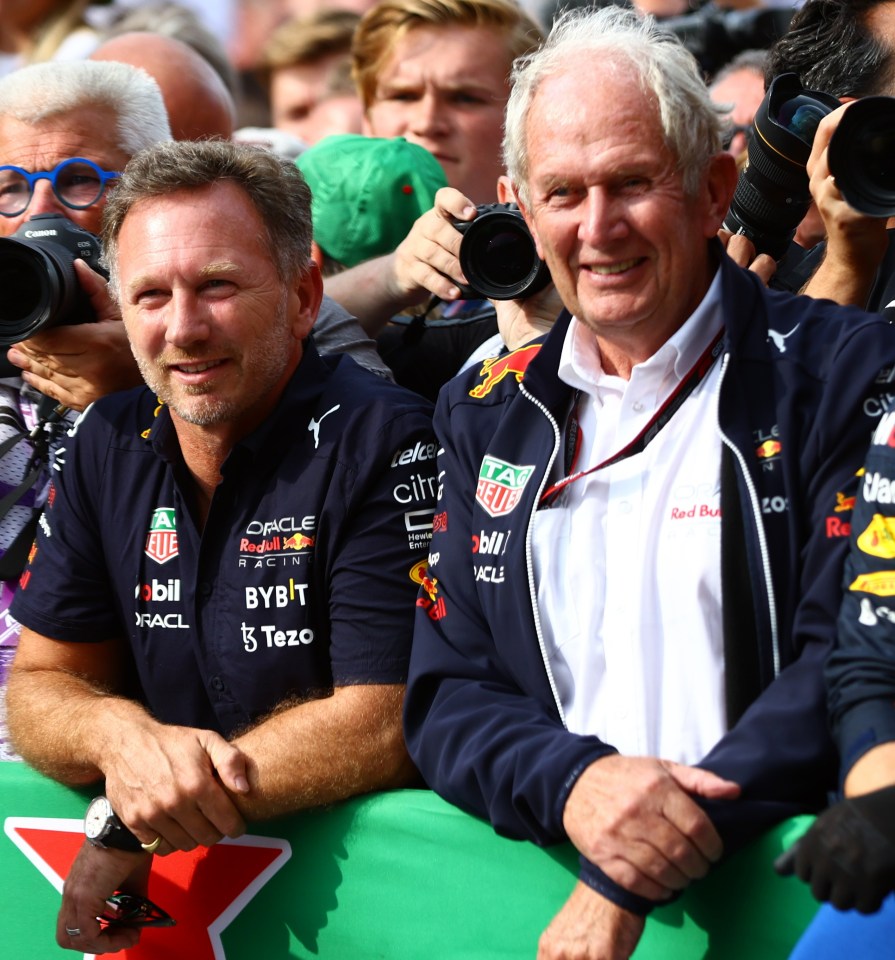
{"points": [[658, 420]]}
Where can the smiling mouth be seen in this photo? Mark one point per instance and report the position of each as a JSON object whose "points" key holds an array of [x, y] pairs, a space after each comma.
{"points": [[199, 367], [608, 270]]}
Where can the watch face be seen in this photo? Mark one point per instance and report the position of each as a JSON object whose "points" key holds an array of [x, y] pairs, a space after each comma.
{"points": [[96, 819]]}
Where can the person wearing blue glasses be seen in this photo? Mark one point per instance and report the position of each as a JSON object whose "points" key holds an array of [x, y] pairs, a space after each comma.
{"points": [[77, 183], [66, 130]]}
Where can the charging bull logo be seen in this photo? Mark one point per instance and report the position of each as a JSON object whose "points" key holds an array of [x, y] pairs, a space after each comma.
{"points": [[298, 541], [878, 540], [768, 449], [497, 368], [431, 603]]}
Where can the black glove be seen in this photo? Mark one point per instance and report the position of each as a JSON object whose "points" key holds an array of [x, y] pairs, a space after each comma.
{"points": [[848, 855]]}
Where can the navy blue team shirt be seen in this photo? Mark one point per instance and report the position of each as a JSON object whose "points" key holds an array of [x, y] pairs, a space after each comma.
{"points": [[304, 578]]}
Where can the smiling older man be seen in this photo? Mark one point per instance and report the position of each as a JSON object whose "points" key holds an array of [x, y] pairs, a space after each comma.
{"points": [[634, 575]]}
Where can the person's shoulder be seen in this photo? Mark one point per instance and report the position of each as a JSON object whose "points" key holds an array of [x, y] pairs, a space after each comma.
{"points": [[362, 388], [123, 418], [494, 380]]}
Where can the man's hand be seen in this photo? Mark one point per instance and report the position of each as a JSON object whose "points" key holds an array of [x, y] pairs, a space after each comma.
{"points": [[635, 819], [78, 364], [95, 875], [172, 782], [742, 251], [848, 855], [856, 243], [589, 927], [427, 260]]}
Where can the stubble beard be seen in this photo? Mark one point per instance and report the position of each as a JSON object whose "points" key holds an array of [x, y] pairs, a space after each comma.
{"points": [[197, 404]]}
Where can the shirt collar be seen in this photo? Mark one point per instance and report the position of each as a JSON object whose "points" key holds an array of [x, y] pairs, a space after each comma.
{"points": [[580, 365]]}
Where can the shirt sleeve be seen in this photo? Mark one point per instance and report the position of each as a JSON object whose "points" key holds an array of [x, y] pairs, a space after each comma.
{"points": [[381, 555]]}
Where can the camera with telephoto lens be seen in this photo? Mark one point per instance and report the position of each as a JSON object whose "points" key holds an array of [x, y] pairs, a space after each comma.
{"points": [[38, 279], [715, 36], [772, 194], [861, 156], [498, 255]]}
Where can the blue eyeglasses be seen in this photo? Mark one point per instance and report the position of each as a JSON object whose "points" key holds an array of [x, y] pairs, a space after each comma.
{"points": [[77, 183]]}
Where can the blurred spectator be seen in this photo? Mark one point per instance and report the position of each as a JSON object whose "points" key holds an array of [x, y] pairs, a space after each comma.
{"points": [[198, 103], [367, 192], [740, 87], [182, 23], [437, 73], [35, 30], [306, 66]]}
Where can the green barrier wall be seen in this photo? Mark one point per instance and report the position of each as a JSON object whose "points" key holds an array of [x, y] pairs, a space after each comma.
{"points": [[394, 876]]}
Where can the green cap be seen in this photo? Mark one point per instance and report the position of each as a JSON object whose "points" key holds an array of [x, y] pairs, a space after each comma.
{"points": [[367, 192]]}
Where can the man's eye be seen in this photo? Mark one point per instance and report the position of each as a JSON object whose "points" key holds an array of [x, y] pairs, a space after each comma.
{"points": [[464, 97]]}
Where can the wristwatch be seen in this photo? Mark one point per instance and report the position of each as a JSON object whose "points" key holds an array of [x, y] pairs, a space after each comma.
{"points": [[103, 829]]}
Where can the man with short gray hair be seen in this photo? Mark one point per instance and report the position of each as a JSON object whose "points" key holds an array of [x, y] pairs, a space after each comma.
{"points": [[637, 554]]}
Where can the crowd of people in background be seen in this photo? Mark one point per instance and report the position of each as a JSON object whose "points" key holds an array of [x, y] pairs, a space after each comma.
{"points": [[624, 690]]}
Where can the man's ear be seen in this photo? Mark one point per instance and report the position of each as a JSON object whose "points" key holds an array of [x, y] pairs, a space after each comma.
{"points": [[512, 196], [305, 295], [718, 186], [505, 190]]}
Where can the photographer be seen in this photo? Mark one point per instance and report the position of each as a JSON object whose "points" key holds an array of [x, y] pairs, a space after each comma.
{"points": [[844, 48], [856, 244], [435, 72]]}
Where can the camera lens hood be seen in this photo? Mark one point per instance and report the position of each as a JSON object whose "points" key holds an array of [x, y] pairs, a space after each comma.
{"points": [[36, 286], [498, 255]]}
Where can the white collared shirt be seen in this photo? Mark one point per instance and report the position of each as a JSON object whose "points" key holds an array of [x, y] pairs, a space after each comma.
{"points": [[628, 562]]}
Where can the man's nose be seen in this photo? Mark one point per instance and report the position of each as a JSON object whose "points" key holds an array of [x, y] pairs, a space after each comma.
{"points": [[43, 200], [428, 117], [185, 321], [603, 218]]}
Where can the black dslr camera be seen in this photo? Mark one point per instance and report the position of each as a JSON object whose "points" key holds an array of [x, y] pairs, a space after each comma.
{"points": [[772, 194], [38, 279], [498, 255]]}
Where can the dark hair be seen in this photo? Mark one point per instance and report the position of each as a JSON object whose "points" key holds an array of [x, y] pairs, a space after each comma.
{"points": [[831, 46], [275, 187]]}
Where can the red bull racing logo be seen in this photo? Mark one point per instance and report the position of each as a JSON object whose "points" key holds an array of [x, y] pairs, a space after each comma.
{"points": [[431, 602], [298, 541], [161, 541], [768, 449], [497, 368]]}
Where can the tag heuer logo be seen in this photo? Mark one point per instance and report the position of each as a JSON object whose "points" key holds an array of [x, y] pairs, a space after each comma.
{"points": [[500, 485], [161, 542]]}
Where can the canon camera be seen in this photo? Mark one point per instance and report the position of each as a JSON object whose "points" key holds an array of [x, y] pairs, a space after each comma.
{"points": [[498, 255], [38, 279]]}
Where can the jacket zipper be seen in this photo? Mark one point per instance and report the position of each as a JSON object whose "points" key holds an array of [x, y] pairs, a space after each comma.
{"points": [[529, 560], [759, 524]]}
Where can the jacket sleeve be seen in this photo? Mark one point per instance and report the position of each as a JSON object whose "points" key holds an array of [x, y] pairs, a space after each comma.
{"points": [[481, 737]]}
